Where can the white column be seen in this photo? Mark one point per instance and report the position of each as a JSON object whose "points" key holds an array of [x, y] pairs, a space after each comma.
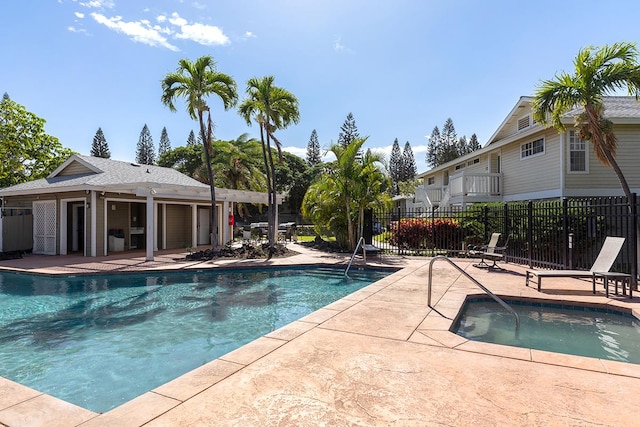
{"points": [[225, 222], [164, 226], [155, 227], [150, 228], [194, 225], [94, 223]]}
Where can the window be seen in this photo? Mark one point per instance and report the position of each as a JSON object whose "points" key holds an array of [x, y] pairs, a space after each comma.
{"points": [[431, 180], [532, 148], [460, 166], [577, 153], [473, 162]]}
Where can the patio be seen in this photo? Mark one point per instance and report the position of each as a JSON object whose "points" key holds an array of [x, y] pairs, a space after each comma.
{"points": [[379, 356]]}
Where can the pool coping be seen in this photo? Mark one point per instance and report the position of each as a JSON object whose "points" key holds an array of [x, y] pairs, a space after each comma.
{"points": [[431, 329]]}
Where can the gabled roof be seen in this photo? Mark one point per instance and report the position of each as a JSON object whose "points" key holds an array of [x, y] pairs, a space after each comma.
{"points": [[105, 174], [618, 109], [94, 173]]}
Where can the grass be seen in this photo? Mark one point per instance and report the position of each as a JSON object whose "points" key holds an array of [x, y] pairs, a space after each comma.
{"points": [[312, 238]]}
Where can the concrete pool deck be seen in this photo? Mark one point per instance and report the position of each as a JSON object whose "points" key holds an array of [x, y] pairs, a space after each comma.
{"points": [[377, 357]]}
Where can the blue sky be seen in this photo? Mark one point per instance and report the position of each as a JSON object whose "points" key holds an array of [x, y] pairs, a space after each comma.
{"points": [[401, 67]]}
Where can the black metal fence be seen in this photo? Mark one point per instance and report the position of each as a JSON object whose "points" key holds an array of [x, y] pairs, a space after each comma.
{"points": [[564, 233]]}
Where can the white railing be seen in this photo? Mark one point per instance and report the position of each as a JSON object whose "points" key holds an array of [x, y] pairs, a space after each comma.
{"points": [[435, 195], [475, 184]]}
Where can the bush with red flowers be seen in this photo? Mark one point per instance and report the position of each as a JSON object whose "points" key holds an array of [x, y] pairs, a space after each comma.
{"points": [[425, 233]]}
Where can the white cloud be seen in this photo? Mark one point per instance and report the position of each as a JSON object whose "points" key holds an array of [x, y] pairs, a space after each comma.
{"points": [[76, 30], [198, 5], [161, 18], [79, 15], [249, 35], [203, 34], [339, 47], [98, 4], [139, 31], [177, 20]]}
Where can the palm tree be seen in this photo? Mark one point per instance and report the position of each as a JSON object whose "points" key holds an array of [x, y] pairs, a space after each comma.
{"points": [[195, 82], [272, 108], [598, 72], [371, 188], [239, 166], [338, 199]]}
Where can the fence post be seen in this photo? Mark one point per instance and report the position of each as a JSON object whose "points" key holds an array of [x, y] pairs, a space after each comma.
{"points": [[530, 232], [505, 219], [634, 240], [565, 235], [486, 224]]}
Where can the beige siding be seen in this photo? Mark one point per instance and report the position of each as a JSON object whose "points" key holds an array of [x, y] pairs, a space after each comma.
{"points": [[118, 217], [178, 226], [75, 168], [602, 177], [534, 174]]}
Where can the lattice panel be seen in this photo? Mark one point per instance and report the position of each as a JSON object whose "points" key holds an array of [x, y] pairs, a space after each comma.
{"points": [[44, 227]]}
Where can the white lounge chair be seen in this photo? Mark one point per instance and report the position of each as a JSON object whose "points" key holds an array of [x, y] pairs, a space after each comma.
{"points": [[603, 263], [492, 252]]}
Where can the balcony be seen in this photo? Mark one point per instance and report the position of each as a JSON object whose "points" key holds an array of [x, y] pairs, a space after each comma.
{"points": [[475, 187]]}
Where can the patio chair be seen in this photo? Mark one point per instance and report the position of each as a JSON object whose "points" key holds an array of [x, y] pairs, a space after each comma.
{"points": [[603, 263], [491, 251]]}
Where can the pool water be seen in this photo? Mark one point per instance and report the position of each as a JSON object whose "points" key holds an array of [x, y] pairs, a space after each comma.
{"points": [[583, 331], [99, 341]]}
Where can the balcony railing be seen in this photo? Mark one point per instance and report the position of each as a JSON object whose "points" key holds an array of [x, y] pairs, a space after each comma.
{"points": [[475, 184]]}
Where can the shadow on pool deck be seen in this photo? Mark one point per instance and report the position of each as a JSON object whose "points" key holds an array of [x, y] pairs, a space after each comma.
{"points": [[379, 356]]}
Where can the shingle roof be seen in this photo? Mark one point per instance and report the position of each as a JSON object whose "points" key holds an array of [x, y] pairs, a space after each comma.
{"points": [[111, 173], [616, 107]]}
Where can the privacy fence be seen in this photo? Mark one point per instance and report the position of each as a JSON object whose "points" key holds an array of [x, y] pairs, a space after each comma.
{"points": [[558, 234]]}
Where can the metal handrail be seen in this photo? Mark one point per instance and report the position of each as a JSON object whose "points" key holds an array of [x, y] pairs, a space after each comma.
{"points": [[468, 276], [364, 251]]}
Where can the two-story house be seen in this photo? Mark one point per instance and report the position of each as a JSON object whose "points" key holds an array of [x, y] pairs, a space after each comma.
{"points": [[526, 161]]}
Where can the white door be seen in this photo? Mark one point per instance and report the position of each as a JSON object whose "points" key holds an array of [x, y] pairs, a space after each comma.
{"points": [[44, 227], [204, 227]]}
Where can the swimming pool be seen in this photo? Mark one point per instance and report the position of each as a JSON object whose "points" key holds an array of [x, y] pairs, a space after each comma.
{"points": [[99, 341], [571, 329]]}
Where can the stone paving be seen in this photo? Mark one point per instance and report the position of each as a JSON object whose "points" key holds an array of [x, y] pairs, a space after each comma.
{"points": [[378, 357]]}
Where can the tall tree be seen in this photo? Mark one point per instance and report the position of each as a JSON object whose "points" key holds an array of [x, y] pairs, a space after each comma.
{"points": [[473, 143], [448, 149], [313, 149], [191, 139], [99, 146], [272, 108], [348, 131], [432, 157], [188, 160], [195, 82], [165, 143], [395, 166], [462, 146], [598, 72], [409, 168], [26, 150], [145, 150]]}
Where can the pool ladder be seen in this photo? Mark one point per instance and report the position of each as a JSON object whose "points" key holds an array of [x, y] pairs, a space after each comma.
{"points": [[468, 276], [364, 254]]}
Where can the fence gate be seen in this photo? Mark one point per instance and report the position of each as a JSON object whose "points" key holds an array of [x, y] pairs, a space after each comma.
{"points": [[44, 227]]}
